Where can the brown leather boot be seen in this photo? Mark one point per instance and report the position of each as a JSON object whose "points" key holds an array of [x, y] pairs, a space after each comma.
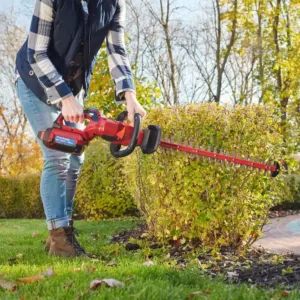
{"points": [[48, 243], [64, 243]]}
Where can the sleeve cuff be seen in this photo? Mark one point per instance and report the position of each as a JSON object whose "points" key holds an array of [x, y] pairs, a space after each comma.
{"points": [[120, 95], [123, 85], [57, 93]]}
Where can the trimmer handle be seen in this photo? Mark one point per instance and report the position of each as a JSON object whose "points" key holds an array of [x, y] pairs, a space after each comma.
{"points": [[115, 149], [89, 114]]}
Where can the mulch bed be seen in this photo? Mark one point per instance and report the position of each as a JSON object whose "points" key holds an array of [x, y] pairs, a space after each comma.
{"points": [[256, 266], [282, 213]]}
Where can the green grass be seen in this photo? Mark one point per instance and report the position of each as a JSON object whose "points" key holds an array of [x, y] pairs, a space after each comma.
{"points": [[156, 282]]}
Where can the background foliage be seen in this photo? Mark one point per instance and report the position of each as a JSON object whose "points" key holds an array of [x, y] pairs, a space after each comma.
{"points": [[102, 90], [20, 197]]}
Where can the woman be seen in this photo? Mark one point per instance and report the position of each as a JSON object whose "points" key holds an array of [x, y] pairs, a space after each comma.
{"points": [[54, 69]]}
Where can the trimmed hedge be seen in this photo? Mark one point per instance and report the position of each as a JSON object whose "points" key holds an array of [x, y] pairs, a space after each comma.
{"points": [[20, 197], [184, 197], [291, 200], [102, 190]]}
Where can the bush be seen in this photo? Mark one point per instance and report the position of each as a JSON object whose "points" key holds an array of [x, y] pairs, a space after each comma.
{"points": [[291, 200], [187, 197], [20, 197], [102, 190]]}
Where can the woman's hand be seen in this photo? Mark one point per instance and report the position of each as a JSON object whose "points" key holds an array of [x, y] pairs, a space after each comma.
{"points": [[72, 111], [133, 106]]}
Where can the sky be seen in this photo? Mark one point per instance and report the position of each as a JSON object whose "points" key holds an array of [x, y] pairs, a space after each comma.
{"points": [[5, 4], [25, 19], [23, 8]]}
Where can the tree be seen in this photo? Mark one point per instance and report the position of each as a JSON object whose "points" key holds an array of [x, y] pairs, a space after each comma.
{"points": [[18, 152], [156, 28], [102, 92]]}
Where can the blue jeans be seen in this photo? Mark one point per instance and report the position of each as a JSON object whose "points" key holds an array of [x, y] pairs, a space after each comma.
{"points": [[61, 170]]}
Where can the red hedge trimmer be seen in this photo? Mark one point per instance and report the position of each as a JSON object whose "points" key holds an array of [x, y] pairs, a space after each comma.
{"points": [[71, 140]]}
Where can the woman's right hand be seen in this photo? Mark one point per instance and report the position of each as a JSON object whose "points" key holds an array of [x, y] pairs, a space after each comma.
{"points": [[72, 111]]}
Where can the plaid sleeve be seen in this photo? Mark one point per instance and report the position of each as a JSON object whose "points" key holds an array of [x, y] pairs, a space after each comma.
{"points": [[117, 57], [38, 43]]}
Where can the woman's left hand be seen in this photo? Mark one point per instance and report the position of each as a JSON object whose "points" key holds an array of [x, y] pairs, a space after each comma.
{"points": [[133, 106]]}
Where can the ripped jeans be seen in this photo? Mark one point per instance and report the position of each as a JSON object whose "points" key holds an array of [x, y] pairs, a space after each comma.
{"points": [[61, 170]]}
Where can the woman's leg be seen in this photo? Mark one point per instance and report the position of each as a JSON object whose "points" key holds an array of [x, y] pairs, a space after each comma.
{"points": [[76, 163], [56, 163], [71, 183]]}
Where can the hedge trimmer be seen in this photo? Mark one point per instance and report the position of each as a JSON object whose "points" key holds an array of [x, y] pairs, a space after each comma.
{"points": [[71, 140]]}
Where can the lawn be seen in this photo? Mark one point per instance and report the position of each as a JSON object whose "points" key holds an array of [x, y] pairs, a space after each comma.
{"points": [[22, 255]]}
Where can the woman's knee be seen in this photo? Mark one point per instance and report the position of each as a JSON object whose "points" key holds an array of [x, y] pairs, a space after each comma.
{"points": [[57, 163], [76, 162]]}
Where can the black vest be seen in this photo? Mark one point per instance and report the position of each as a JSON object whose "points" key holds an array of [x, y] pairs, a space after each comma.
{"points": [[75, 23]]}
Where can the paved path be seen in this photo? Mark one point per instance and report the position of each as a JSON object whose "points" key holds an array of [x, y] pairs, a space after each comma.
{"points": [[282, 235]]}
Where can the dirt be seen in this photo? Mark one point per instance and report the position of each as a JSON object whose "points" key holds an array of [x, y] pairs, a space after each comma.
{"points": [[255, 266]]}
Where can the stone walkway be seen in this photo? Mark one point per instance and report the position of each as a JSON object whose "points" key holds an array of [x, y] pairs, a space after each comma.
{"points": [[282, 235]]}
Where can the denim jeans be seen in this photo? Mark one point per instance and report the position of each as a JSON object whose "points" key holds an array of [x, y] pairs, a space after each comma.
{"points": [[61, 170]]}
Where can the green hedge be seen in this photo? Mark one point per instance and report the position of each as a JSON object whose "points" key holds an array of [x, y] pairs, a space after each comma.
{"points": [[291, 200], [185, 197], [102, 191], [20, 197]]}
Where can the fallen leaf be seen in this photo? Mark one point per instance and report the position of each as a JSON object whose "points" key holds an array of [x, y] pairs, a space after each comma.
{"points": [[195, 294], [69, 284], [111, 263], [107, 282], [285, 293], [76, 270], [49, 273], [34, 235], [131, 278], [95, 259], [19, 256], [148, 263], [232, 275], [31, 279], [91, 269], [9, 286], [203, 292], [167, 257], [95, 235]]}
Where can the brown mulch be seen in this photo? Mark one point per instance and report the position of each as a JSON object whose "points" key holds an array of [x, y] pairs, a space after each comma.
{"points": [[255, 266], [282, 213]]}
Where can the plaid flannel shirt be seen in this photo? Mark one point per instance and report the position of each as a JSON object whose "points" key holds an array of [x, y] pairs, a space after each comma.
{"points": [[49, 78]]}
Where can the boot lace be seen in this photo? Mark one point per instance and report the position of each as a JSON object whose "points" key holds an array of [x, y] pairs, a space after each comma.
{"points": [[74, 242]]}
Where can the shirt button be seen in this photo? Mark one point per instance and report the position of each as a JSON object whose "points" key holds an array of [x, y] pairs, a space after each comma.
{"points": [[72, 63], [31, 73]]}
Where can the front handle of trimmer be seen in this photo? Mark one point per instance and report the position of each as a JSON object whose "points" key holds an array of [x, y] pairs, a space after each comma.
{"points": [[115, 149]]}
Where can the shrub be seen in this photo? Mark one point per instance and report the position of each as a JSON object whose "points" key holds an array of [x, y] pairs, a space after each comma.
{"points": [[102, 190], [20, 197], [291, 198], [187, 197]]}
